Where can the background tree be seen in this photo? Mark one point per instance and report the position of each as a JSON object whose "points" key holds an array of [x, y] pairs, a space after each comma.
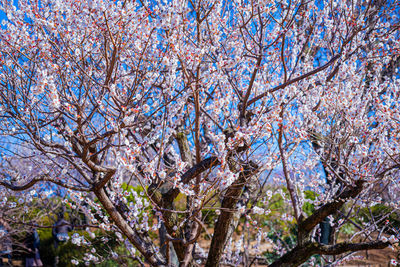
{"points": [[207, 99]]}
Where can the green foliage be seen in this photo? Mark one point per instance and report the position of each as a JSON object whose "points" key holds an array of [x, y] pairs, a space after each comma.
{"points": [[66, 251], [379, 213], [283, 232], [308, 194], [103, 244], [209, 216], [348, 229], [308, 207], [282, 239]]}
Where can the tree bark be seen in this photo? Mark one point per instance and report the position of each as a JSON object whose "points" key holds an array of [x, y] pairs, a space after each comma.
{"points": [[224, 221]]}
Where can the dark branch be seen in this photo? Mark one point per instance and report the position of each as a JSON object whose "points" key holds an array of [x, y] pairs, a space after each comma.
{"points": [[308, 224], [105, 179], [41, 179], [199, 168], [21, 187], [223, 223], [301, 77], [193, 172], [347, 247], [300, 254]]}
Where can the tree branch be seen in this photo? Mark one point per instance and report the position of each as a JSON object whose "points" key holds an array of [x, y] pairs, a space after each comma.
{"points": [[229, 202], [107, 177], [193, 172], [301, 77], [146, 249], [300, 254], [41, 179], [308, 224]]}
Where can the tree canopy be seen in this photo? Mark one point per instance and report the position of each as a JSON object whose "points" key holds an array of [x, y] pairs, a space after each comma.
{"points": [[212, 102]]}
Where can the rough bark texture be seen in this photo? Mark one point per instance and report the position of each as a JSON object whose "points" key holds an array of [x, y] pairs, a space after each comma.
{"points": [[223, 223], [186, 156], [228, 206], [248, 193]]}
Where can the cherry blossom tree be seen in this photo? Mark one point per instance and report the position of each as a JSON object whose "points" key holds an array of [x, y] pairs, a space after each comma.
{"points": [[213, 100]]}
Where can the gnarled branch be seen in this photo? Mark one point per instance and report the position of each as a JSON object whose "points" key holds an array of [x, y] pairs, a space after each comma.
{"points": [[300, 254], [32, 182], [309, 223]]}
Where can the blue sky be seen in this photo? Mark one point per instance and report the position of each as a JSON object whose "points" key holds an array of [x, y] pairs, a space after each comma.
{"points": [[2, 16]]}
